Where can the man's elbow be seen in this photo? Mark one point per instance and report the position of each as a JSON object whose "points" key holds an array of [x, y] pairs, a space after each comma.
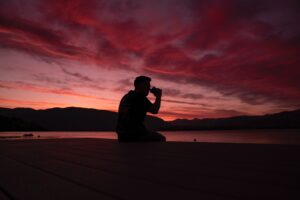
{"points": [[153, 111]]}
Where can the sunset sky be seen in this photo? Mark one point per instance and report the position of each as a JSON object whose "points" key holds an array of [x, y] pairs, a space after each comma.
{"points": [[211, 58]]}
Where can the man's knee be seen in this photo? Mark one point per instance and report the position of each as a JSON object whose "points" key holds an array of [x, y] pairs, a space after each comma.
{"points": [[162, 137], [155, 136], [150, 136]]}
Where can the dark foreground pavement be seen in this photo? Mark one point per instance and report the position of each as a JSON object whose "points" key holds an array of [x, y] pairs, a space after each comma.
{"points": [[106, 169]]}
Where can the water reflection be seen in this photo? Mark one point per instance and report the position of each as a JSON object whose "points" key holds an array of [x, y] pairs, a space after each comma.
{"points": [[290, 136]]}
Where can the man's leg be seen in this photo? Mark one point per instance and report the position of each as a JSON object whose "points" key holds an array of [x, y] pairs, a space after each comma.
{"points": [[152, 136], [129, 138]]}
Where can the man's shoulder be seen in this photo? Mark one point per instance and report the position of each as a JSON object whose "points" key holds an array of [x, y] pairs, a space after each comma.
{"points": [[133, 97], [128, 97], [129, 94]]}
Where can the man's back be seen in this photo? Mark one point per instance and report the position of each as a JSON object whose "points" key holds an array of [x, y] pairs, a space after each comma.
{"points": [[131, 115]]}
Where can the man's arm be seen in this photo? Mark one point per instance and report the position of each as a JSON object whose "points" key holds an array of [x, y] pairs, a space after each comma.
{"points": [[155, 107]]}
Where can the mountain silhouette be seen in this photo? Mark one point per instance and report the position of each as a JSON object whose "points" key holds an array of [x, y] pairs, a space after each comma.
{"points": [[67, 119], [282, 120], [83, 119], [16, 124]]}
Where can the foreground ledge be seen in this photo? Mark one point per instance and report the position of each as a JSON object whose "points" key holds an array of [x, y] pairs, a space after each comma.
{"points": [[106, 169]]}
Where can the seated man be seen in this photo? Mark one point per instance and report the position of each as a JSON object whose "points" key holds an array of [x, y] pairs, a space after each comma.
{"points": [[132, 112]]}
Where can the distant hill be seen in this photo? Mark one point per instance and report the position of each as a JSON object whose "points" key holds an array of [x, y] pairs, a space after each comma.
{"points": [[12, 123], [66, 119], [282, 120], [83, 119]]}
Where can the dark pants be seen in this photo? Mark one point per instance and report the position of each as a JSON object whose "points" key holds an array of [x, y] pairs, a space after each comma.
{"points": [[149, 136]]}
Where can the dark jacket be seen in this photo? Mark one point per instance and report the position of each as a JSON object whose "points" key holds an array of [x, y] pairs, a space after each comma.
{"points": [[131, 115]]}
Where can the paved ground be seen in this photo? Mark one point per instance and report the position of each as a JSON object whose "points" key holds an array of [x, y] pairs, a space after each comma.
{"points": [[106, 169]]}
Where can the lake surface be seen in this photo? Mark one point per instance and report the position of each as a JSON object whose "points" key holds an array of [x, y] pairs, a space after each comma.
{"points": [[288, 136]]}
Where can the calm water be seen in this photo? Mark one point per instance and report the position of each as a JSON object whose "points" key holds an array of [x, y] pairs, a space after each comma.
{"points": [[290, 136]]}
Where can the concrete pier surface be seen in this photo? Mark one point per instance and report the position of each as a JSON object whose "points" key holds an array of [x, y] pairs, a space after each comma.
{"points": [[107, 169]]}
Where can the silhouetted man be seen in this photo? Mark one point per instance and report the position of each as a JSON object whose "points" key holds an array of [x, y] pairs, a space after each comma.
{"points": [[132, 112]]}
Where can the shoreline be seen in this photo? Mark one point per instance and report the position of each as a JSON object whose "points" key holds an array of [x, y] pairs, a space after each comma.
{"points": [[288, 136]]}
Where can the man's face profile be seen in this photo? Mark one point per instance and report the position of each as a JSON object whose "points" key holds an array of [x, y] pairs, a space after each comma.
{"points": [[144, 87]]}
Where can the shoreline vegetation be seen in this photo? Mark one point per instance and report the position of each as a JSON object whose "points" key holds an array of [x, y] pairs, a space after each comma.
{"points": [[24, 135], [83, 119]]}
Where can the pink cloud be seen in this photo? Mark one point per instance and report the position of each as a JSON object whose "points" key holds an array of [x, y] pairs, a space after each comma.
{"points": [[19, 85], [248, 50]]}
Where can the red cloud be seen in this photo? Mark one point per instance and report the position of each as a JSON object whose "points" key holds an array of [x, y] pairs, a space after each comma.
{"points": [[237, 54], [246, 49]]}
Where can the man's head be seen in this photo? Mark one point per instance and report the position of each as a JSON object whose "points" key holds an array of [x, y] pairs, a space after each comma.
{"points": [[142, 84]]}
